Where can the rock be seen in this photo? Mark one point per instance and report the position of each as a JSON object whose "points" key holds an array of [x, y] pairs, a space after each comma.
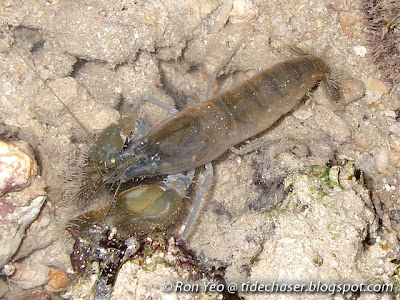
{"points": [[116, 33], [151, 269], [57, 255], [40, 234], [14, 221], [366, 163], [18, 209], [17, 166], [347, 19], [375, 89], [352, 89], [395, 128], [71, 93], [59, 280], [3, 288], [382, 161], [320, 231], [37, 295], [244, 10], [332, 124], [303, 114], [360, 50], [101, 82], [30, 276]]}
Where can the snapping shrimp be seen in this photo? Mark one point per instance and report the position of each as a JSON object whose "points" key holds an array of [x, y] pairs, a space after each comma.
{"points": [[197, 135]]}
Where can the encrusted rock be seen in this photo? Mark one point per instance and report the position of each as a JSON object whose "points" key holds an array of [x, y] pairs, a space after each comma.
{"points": [[30, 276], [146, 267], [321, 228], [18, 209], [17, 166]]}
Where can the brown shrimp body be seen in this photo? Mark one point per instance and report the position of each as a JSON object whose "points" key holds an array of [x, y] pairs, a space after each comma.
{"points": [[200, 134]]}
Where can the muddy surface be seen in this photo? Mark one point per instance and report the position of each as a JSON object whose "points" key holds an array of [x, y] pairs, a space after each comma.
{"points": [[99, 57]]}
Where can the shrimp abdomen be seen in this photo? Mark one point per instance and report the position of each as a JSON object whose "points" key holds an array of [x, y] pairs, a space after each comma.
{"points": [[263, 99]]}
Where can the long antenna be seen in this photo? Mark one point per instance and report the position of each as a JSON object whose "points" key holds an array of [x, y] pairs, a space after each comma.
{"points": [[55, 95], [110, 205]]}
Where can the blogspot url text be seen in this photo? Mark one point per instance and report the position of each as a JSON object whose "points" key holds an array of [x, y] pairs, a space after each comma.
{"points": [[276, 287]]}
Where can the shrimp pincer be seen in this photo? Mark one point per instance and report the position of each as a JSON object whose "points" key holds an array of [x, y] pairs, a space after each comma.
{"points": [[197, 135], [139, 209]]}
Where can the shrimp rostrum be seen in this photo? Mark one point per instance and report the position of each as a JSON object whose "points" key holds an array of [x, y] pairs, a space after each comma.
{"points": [[197, 135]]}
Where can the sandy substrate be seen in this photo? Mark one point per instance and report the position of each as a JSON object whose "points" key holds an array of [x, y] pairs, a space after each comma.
{"points": [[101, 56]]}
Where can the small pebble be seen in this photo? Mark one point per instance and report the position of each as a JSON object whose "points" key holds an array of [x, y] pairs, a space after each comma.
{"points": [[30, 276], [331, 124], [395, 128], [302, 114], [382, 161], [59, 280], [244, 9], [347, 19], [360, 50], [390, 113], [334, 174], [352, 89], [375, 89], [389, 188], [366, 163]]}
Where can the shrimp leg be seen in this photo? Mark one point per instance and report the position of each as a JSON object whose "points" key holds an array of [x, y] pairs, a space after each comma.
{"points": [[172, 110], [199, 197], [219, 68], [209, 167]]}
